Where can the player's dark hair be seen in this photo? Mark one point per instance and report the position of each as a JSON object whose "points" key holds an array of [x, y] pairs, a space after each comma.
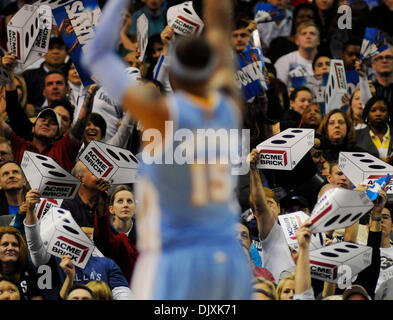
{"points": [[188, 46]]}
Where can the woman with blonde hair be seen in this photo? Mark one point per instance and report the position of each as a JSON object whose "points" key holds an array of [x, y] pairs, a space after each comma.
{"points": [[286, 288], [264, 289], [101, 290]]}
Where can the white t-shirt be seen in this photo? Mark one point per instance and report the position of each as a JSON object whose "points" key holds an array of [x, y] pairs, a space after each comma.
{"points": [[386, 270], [270, 30], [276, 256], [292, 65], [105, 105]]}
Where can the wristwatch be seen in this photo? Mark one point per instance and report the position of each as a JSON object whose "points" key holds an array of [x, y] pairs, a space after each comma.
{"points": [[376, 218]]}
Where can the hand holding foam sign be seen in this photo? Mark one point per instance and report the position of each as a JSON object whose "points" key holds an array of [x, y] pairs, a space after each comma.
{"points": [[112, 163], [41, 43], [339, 208], [45, 175], [184, 20], [61, 236], [325, 262], [373, 43], [266, 12], [291, 222], [22, 31], [284, 150], [373, 192], [336, 86], [363, 168], [42, 208]]}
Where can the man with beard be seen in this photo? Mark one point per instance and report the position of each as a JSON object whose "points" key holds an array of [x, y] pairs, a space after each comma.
{"points": [[13, 187]]}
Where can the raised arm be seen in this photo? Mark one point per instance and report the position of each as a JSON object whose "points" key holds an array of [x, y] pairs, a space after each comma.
{"points": [[264, 215], [100, 57], [302, 273], [17, 117], [69, 269], [39, 255], [218, 19]]}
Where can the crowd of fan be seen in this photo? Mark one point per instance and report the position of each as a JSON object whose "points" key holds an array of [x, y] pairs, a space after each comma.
{"points": [[47, 110]]}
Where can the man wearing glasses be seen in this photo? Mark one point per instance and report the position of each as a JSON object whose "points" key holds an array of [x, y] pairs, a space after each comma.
{"points": [[383, 65], [5, 150]]}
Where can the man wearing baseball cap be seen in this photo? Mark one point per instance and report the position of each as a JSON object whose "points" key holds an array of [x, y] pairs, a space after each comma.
{"points": [[356, 292], [46, 128]]}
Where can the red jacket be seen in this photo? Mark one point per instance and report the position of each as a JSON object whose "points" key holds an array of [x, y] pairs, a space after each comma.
{"points": [[114, 246]]}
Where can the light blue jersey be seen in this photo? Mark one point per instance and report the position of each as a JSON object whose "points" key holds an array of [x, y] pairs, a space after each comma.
{"points": [[187, 215]]}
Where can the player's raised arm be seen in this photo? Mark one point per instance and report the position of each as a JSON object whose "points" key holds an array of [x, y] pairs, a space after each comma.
{"points": [[107, 67], [218, 18]]}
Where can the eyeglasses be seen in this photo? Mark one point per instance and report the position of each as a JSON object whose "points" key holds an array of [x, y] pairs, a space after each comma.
{"points": [[387, 57], [3, 154]]}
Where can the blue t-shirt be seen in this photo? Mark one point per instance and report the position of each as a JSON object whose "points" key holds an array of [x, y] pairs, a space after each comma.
{"points": [[156, 23], [13, 209]]}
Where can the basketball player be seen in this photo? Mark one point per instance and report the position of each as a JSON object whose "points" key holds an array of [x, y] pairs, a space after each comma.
{"points": [[186, 219]]}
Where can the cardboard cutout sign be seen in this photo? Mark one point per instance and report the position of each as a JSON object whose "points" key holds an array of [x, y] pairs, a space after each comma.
{"points": [[290, 222], [363, 168], [284, 150], [374, 43], [112, 163], [336, 86], [53, 4], [266, 12], [184, 20], [22, 31], [142, 27], [41, 43], [339, 208], [325, 262], [76, 21], [61, 235], [42, 208], [45, 175]]}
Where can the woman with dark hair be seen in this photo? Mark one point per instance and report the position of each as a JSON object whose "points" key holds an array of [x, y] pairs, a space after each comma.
{"points": [[117, 239], [10, 289], [336, 134], [299, 99], [14, 262], [376, 138], [283, 45]]}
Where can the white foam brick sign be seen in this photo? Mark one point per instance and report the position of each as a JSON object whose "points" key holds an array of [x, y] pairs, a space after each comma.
{"points": [[339, 208], [22, 31], [184, 19], [53, 4], [284, 150], [42, 208], [336, 86], [109, 162], [61, 235], [290, 222], [325, 262], [364, 168], [45, 175], [41, 43]]}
